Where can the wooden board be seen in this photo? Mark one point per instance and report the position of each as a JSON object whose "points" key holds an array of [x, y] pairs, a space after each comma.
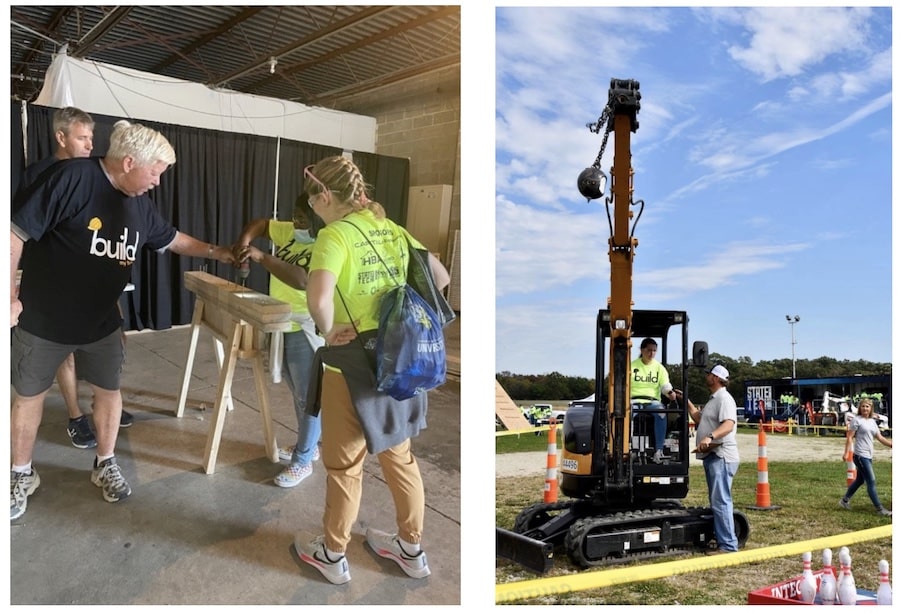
{"points": [[507, 411], [238, 317], [263, 312]]}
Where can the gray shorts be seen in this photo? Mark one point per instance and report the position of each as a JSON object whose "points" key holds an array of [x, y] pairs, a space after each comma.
{"points": [[34, 362]]}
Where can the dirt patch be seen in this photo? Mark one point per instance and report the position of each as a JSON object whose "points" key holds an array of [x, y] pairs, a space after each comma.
{"points": [[779, 448]]}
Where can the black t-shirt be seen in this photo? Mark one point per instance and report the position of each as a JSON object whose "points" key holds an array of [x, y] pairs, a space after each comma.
{"points": [[29, 178], [84, 237], [33, 171]]}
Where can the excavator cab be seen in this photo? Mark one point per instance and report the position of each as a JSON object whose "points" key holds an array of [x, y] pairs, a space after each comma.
{"points": [[636, 474]]}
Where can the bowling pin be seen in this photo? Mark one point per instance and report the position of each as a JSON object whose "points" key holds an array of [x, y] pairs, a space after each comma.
{"points": [[843, 552], [807, 581], [884, 595], [828, 584], [847, 588]]}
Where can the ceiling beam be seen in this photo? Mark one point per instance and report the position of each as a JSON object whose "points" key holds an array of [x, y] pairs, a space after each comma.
{"points": [[263, 61], [58, 18], [390, 32], [109, 21], [328, 98], [241, 17]]}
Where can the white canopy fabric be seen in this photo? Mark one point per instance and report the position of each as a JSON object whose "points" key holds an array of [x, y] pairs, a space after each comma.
{"points": [[121, 92], [588, 399]]}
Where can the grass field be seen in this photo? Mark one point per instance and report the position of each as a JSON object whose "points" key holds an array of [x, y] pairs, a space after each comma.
{"points": [[807, 492]]}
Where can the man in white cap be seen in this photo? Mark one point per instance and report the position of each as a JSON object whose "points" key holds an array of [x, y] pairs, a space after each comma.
{"points": [[717, 448]]}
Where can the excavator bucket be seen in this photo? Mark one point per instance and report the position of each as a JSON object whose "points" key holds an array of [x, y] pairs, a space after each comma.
{"points": [[530, 553]]}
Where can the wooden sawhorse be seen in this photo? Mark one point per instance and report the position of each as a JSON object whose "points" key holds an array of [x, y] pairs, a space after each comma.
{"points": [[238, 317]]}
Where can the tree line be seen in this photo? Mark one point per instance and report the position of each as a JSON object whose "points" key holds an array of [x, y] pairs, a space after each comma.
{"points": [[556, 386]]}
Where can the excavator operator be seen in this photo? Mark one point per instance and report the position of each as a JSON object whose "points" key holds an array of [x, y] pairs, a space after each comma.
{"points": [[649, 382]]}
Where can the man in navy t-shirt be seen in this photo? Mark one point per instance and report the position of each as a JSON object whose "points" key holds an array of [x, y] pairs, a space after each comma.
{"points": [[73, 130], [85, 221]]}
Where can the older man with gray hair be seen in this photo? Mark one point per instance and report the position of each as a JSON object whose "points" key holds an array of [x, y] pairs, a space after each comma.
{"points": [[85, 222]]}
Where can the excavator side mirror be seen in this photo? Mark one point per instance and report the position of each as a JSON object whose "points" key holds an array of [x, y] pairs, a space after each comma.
{"points": [[700, 353]]}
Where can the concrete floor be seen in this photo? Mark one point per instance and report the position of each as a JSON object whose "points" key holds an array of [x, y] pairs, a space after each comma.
{"points": [[186, 537]]}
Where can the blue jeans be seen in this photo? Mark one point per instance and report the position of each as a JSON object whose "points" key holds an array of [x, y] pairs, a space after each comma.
{"points": [[659, 422], [719, 477], [864, 474], [297, 369]]}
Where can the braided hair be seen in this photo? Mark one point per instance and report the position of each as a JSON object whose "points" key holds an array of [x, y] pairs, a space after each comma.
{"points": [[344, 180]]}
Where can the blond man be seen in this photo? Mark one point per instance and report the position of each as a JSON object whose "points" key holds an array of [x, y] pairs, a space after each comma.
{"points": [[85, 222]]}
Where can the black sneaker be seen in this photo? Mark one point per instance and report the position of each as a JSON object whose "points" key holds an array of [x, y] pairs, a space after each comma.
{"points": [[81, 434]]}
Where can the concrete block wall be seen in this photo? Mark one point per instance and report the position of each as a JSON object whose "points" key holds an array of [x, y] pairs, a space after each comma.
{"points": [[419, 119]]}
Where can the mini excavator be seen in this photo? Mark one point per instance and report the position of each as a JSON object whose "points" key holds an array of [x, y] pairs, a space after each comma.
{"points": [[621, 503]]}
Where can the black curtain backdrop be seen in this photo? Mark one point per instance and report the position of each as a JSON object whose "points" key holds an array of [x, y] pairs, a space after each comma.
{"points": [[389, 178], [220, 181], [295, 156]]}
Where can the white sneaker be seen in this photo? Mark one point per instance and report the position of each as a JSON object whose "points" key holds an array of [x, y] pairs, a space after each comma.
{"points": [[108, 475], [658, 456], [292, 475], [388, 546], [313, 553], [21, 486]]}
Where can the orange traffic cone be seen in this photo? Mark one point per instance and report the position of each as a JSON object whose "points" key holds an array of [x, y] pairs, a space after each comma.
{"points": [[851, 468], [763, 502], [851, 465], [551, 483]]}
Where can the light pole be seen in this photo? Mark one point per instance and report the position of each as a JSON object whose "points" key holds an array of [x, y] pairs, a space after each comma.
{"points": [[792, 321]]}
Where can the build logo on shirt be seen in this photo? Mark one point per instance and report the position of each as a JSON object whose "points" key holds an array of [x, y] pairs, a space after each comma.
{"points": [[652, 377], [105, 248]]}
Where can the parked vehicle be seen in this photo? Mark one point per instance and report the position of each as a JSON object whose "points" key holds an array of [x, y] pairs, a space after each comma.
{"points": [[538, 414], [841, 409]]}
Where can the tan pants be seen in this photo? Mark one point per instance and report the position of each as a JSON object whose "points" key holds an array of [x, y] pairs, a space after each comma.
{"points": [[343, 453]]}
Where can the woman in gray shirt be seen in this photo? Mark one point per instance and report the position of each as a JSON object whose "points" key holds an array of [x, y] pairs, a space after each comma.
{"points": [[861, 434]]}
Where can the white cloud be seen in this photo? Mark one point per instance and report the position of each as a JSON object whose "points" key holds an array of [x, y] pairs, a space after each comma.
{"points": [[550, 151], [727, 153], [548, 250], [709, 132], [547, 336], [785, 42], [722, 265], [845, 85]]}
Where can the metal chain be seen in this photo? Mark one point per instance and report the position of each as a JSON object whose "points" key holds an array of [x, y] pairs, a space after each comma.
{"points": [[596, 127]]}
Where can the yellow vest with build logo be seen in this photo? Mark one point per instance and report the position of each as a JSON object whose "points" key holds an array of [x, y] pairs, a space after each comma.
{"points": [[647, 379]]}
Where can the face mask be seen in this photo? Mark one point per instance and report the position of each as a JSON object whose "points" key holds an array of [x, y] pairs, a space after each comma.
{"points": [[302, 236]]}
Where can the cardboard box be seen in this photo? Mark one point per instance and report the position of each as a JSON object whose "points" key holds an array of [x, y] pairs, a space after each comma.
{"points": [[788, 592]]}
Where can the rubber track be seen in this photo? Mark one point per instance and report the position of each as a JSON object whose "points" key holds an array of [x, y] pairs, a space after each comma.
{"points": [[526, 516], [579, 531]]}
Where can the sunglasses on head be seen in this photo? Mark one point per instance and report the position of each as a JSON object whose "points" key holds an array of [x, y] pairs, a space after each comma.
{"points": [[307, 173]]}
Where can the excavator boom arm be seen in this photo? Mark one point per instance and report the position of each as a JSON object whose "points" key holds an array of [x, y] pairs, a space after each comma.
{"points": [[624, 104]]}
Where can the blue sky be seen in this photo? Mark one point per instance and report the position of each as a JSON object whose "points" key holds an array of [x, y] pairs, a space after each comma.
{"points": [[763, 157]]}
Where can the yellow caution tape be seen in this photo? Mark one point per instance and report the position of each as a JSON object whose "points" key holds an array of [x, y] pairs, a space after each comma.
{"points": [[535, 588]]}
